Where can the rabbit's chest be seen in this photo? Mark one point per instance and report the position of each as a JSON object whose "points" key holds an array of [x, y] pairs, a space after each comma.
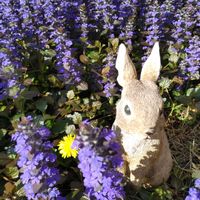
{"points": [[138, 144]]}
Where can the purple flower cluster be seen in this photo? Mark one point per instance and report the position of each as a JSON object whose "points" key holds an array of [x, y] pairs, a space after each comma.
{"points": [[109, 88], [152, 22], [36, 160], [113, 17], [174, 23], [28, 26], [100, 15], [99, 156], [127, 15], [194, 192], [158, 19], [10, 56], [65, 25], [186, 23], [192, 57]]}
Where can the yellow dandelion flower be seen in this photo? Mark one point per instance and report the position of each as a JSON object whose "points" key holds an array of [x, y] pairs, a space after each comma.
{"points": [[65, 146]]}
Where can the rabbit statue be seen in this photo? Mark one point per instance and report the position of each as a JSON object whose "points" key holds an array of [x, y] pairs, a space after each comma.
{"points": [[139, 121]]}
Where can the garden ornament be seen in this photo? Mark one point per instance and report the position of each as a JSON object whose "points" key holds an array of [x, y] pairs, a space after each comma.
{"points": [[139, 121]]}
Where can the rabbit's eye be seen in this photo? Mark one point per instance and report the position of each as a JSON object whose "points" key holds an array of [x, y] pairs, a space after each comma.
{"points": [[127, 110]]}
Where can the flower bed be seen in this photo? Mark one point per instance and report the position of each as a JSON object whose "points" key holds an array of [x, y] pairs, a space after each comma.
{"points": [[57, 69]]}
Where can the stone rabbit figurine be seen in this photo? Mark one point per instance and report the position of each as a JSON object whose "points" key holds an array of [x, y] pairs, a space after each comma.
{"points": [[139, 121]]}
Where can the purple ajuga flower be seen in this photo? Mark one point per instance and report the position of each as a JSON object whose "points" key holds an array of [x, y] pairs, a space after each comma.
{"points": [[194, 192], [109, 78], [197, 183], [151, 15], [184, 21], [185, 33], [10, 50], [127, 15], [100, 16], [192, 57], [99, 157], [36, 24], [65, 28], [109, 89], [36, 160]]}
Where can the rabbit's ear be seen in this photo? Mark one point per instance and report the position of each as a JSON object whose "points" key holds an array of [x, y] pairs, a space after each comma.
{"points": [[125, 67], [151, 68]]}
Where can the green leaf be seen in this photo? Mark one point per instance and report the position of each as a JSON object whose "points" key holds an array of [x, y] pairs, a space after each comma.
{"points": [[70, 129], [165, 83], [97, 44], [84, 59], [20, 190], [189, 91], [12, 172], [96, 104], [28, 81], [115, 43], [174, 58], [41, 105], [76, 117], [104, 32], [86, 100], [54, 80], [49, 123], [59, 125], [184, 99], [165, 57], [193, 92], [2, 108], [16, 118], [8, 69], [105, 70], [9, 188], [176, 93], [90, 46], [162, 194], [13, 91], [2, 133], [50, 53], [30, 94], [82, 86], [195, 173], [70, 94], [94, 55]]}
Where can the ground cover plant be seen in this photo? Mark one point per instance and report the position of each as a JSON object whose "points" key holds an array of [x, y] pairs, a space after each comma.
{"points": [[58, 92]]}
